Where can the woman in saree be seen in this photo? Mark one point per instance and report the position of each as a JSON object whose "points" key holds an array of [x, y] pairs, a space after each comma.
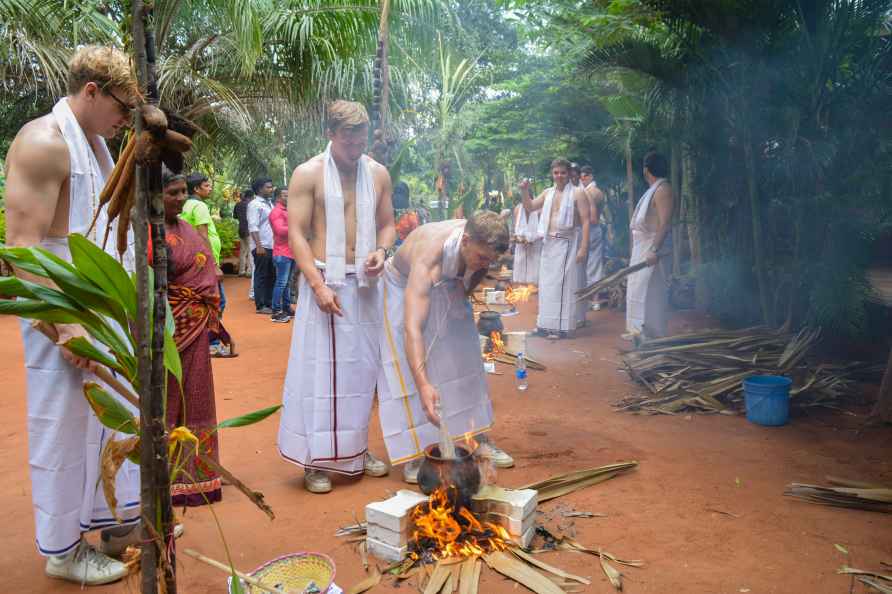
{"points": [[195, 302]]}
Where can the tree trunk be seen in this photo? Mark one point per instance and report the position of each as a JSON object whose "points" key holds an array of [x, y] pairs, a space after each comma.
{"points": [[882, 411], [630, 187], [692, 213], [675, 179], [756, 216], [156, 511]]}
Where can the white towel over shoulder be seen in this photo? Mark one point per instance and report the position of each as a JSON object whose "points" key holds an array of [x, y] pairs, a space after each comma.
{"points": [[335, 227], [565, 216]]}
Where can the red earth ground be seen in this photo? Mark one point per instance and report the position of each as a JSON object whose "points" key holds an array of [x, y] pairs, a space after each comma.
{"points": [[668, 513]]}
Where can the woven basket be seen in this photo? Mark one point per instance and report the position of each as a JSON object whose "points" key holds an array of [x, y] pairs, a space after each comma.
{"points": [[293, 573]]}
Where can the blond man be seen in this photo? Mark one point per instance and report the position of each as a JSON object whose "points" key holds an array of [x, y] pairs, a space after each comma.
{"points": [[55, 168], [431, 351], [340, 220]]}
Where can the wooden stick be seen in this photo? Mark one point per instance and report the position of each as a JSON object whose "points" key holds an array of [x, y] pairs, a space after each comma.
{"points": [[102, 373], [255, 496], [230, 570], [609, 281]]}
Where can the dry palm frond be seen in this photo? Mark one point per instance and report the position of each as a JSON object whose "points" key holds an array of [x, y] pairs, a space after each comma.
{"points": [[704, 371], [877, 581], [877, 499], [563, 484]]}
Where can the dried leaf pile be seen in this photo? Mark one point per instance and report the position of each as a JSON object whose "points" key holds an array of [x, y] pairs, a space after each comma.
{"points": [[845, 493], [703, 372]]}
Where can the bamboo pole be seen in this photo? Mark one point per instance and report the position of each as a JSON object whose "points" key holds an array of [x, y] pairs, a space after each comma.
{"points": [[148, 208]]}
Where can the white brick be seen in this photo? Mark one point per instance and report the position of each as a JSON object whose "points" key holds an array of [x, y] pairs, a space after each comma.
{"points": [[527, 537], [513, 526], [514, 503], [388, 537], [385, 552], [393, 514]]}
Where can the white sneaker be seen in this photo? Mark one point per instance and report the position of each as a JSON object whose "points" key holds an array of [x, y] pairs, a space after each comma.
{"points": [[410, 471], [499, 457], [86, 566], [374, 466], [317, 481]]}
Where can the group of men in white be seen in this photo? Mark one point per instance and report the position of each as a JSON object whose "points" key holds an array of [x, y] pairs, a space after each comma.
{"points": [[559, 246], [399, 327]]}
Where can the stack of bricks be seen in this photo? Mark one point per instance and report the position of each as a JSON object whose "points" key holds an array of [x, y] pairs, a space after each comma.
{"points": [[389, 525], [512, 509], [389, 522]]}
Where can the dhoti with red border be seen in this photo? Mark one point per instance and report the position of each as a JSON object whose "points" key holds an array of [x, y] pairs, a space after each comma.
{"points": [[330, 383]]}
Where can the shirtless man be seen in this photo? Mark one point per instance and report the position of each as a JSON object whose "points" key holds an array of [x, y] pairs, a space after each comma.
{"points": [[340, 218], [55, 169], [647, 304], [430, 348], [594, 264], [564, 226]]}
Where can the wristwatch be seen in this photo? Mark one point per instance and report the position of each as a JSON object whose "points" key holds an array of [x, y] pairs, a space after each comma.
{"points": [[654, 249]]}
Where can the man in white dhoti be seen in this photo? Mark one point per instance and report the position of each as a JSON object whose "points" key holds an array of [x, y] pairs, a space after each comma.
{"points": [[340, 219], [564, 226], [647, 290], [527, 246], [430, 347], [594, 262], [56, 168]]}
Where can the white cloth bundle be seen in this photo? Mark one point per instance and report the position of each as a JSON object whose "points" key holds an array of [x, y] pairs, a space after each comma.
{"points": [[335, 227]]}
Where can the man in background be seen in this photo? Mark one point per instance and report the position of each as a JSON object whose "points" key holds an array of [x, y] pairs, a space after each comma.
{"points": [[240, 212], [647, 301], [282, 258], [262, 245], [594, 265]]}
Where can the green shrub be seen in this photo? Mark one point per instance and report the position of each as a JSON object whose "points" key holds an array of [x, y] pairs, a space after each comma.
{"points": [[2, 225], [227, 229]]}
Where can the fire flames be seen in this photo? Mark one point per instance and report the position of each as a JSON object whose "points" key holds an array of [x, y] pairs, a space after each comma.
{"points": [[497, 346], [441, 532], [519, 294]]}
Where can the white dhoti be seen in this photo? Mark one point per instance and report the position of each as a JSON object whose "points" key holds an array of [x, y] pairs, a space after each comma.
{"points": [[594, 262], [453, 365], [558, 281], [65, 441], [330, 382], [647, 300], [527, 252], [526, 262]]}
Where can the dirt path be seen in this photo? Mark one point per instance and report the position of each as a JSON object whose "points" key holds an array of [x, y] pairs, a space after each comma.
{"points": [[663, 514]]}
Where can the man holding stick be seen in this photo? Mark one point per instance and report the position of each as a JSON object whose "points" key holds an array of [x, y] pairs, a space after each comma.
{"points": [[646, 297], [564, 226], [56, 168], [432, 369], [340, 224]]}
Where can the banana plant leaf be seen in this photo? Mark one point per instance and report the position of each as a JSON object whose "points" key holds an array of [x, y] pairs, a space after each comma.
{"points": [[109, 411], [82, 347], [103, 271], [249, 418]]}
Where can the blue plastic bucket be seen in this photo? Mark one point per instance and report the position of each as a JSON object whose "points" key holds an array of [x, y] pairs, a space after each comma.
{"points": [[767, 399]]}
